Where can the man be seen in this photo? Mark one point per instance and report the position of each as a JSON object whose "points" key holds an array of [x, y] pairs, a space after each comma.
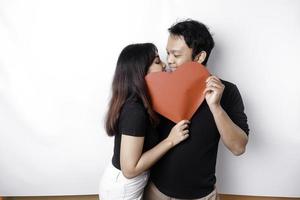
{"points": [[188, 171]]}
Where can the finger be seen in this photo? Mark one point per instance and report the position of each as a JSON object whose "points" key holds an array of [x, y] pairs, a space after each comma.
{"points": [[218, 81], [211, 89], [214, 84], [185, 132], [180, 123], [209, 79], [213, 77], [186, 125], [184, 137], [186, 121], [183, 122], [208, 90], [214, 80], [183, 127]]}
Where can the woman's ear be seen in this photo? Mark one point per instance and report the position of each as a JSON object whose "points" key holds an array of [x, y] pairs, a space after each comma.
{"points": [[200, 57]]}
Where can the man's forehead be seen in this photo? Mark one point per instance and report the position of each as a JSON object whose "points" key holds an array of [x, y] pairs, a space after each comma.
{"points": [[174, 50], [176, 44]]}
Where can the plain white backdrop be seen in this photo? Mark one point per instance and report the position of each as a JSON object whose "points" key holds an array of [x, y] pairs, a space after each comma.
{"points": [[57, 59]]}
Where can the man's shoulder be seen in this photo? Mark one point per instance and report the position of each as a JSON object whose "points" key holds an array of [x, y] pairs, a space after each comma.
{"points": [[231, 93], [229, 86]]}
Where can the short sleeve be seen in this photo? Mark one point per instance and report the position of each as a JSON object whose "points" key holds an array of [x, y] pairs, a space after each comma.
{"points": [[235, 108], [133, 119]]}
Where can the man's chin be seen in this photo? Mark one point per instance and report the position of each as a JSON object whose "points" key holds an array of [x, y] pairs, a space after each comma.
{"points": [[170, 69]]}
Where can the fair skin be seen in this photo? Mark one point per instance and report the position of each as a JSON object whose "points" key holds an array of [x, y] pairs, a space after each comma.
{"points": [[157, 65], [132, 158], [234, 138]]}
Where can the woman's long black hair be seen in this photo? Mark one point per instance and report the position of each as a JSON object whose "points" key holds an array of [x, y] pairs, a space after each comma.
{"points": [[129, 80]]}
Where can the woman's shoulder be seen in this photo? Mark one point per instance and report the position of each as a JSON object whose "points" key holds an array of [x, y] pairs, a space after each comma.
{"points": [[134, 107], [133, 118], [134, 103]]}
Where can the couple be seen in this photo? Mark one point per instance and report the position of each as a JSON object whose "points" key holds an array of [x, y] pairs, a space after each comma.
{"points": [[182, 156]]}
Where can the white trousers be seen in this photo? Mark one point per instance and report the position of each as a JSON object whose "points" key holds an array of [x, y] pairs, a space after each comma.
{"points": [[115, 186]]}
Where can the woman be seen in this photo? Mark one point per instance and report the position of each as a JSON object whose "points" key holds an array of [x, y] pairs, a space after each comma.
{"points": [[132, 121]]}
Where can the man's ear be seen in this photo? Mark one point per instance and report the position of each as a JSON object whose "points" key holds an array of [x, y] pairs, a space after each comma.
{"points": [[200, 57]]}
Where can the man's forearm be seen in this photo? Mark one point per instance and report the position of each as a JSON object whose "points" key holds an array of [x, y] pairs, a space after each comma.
{"points": [[234, 138]]}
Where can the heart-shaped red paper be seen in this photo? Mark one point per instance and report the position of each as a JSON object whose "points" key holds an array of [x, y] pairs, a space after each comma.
{"points": [[177, 95]]}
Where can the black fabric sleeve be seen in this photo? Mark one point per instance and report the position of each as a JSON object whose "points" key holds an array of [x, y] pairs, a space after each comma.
{"points": [[235, 109], [133, 119]]}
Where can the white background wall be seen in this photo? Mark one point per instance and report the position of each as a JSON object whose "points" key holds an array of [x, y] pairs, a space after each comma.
{"points": [[57, 59]]}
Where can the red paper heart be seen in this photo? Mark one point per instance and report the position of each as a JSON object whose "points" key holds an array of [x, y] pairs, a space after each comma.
{"points": [[177, 95]]}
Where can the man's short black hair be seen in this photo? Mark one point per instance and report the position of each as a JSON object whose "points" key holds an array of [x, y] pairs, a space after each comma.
{"points": [[196, 36]]}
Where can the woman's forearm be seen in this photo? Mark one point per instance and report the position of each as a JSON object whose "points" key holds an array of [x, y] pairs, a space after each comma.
{"points": [[150, 157]]}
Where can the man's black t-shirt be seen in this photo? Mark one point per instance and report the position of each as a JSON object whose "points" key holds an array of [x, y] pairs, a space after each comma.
{"points": [[134, 121], [188, 170]]}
